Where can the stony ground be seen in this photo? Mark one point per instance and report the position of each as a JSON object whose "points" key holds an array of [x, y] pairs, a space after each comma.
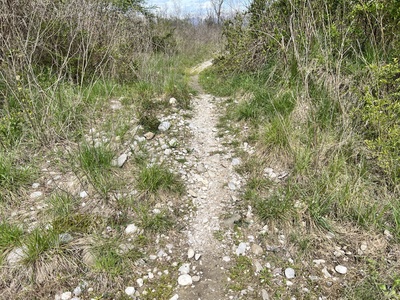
{"points": [[217, 249]]}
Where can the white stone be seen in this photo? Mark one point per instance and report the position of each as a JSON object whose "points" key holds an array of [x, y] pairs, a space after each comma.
{"points": [[197, 256], [164, 126], [318, 261], [139, 281], [235, 161], [241, 249], [258, 266], [256, 249], [173, 142], [184, 269], [196, 278], [121, 160], [131, 229], [363, 246], [36, 194], [15, 256], [167, 151], [35, 185], [174, 297], [65, 238], [184, 280], [264, 295], [326, 273], [66, 296], [231, 186], [77, 291], [226, 259], [190, 253], [341, 269], [83, 194], [289, 273], [172, 101], [130, 291]]}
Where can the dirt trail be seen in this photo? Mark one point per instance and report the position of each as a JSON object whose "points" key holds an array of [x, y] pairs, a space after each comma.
{"points": [[211, 197]]}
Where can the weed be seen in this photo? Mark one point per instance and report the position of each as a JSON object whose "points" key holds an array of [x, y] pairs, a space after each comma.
{"points": [[156, 178], [38, 243], [80, 223], [96, 164], [10, 236], [61, 205], [278, 206], [154, 222], [277, 134], [12, 175], [241, 273], [95, 160], [149, 122], [163, 289], [108, 260]]}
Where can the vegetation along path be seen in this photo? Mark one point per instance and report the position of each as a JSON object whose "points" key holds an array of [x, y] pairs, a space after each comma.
{"points": [[272, 172]]}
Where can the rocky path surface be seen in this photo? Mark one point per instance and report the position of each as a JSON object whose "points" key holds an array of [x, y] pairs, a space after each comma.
{"points": [[212, 187]]}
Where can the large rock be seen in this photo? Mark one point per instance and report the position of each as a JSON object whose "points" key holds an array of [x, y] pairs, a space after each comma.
{"points": [[185, 279], [15, 256]]}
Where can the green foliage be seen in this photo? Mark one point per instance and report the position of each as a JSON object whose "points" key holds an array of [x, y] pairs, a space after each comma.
{"points": [[157, 178], [10, 236], [38, 243], [13, 175], [153, 222], [95, 164], [95, 159], [149, 122], [278, 206], [381, 114]]}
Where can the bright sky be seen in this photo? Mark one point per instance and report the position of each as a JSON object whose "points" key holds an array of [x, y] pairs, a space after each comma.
{"points": [[194, 8]]}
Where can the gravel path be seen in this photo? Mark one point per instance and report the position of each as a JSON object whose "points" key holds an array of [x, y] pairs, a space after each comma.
{"points": [[212, 188]]}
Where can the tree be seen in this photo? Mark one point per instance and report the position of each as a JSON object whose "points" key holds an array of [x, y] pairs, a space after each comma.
{"points": [[217, 7]]}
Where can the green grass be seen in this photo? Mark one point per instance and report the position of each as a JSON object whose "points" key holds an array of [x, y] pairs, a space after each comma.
{"points": [[95, 160], [109, 259], [10, 236], [241, 273], [96, 165], [61, 205], [157, 178], [149, 122], [14, 174], [154, 222], [38, 244]]}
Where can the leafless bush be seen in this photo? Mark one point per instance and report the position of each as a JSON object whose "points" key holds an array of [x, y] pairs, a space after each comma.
{"points": [[45, 44]]}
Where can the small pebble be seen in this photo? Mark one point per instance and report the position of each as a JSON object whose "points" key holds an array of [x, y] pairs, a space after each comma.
{"points": [[341, 269], [289, 273], [130, 291]]}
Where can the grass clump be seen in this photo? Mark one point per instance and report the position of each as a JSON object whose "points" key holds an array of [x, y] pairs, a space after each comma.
{"points": [[157, 178], [39, 244], [154, 222], [96, 165], [10, 236], [13, 175], [94, 160]]}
